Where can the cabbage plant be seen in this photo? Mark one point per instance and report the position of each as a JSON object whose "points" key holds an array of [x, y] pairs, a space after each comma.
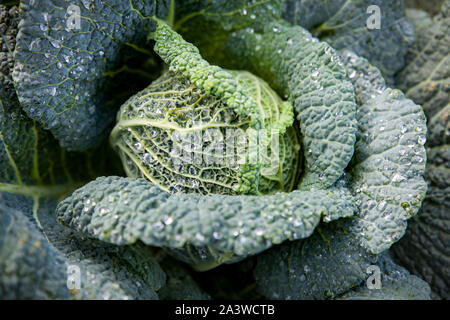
{"points": [[265, 137]]}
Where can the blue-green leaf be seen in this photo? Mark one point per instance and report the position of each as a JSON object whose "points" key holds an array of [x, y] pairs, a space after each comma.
{"points": [[60, 70], [425, 248], [202, 230], [346, 24], [396, 283]]}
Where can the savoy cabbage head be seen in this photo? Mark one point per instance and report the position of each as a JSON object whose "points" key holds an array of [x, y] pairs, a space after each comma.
{"points": [[160, 148]]}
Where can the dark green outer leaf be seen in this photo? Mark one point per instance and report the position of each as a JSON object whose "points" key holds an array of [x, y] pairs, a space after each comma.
{"points": [[107, 271], [425, 248], [396, 284], [30, 267], [331, 264], [180, 284], [59, 72], [35, 172], [343, 24], [202, 230], [425, 79], [9, 19], [32, 162], [226, 14], [325, 265], [207, 24]]}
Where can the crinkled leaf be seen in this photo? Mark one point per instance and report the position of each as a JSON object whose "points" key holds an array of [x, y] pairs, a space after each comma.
{"points": [[9, 19], [207, 24], [344, 25], [30, 268], [107, 271], [35, 172], [301, 269], [32, 162], [366, 79], [331, 264], [310, 74], [389, 162], [425, 79], [60, 67], [202, 230], [425, 248], [396, 284], [325, 265], [184, 58], [201, 102]]}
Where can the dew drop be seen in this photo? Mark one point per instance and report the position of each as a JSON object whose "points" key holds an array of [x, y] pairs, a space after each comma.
{"points": [[297, 222], [158, 225], [199, 237], [259, 232], [34, 45], [398, 178], [352, 74], [314, 73], [168, 220], [148, 158], [403, 129], [55, 43], [195, 184], [421, 140], [382, 205], [138, 146]]}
